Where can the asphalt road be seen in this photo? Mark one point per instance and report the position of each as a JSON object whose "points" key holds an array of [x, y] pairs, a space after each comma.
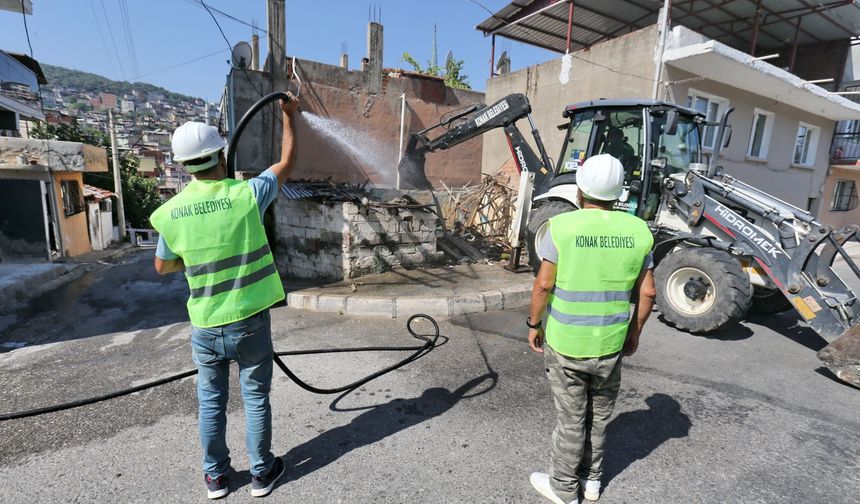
{"points": [[744, 416]]}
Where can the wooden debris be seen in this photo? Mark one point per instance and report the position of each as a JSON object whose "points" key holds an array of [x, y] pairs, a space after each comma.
{"points": [[485, 210]]}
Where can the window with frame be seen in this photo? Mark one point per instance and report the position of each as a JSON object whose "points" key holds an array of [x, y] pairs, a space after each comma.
{"points": [[710, 105], [844, 196], [73, 197], [804, 145], [577, 142], [762, 127]]}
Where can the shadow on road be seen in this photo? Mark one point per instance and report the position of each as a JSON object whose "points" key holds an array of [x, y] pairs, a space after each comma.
{"points": [[734, 332], [377, 423], [788, 324], [633, 435]]}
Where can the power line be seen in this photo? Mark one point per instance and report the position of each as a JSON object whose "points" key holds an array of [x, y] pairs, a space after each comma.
{"points": [[26, 30], [102, 37], [230, 47], [171, 67], [112, 39], [224, 14], [129, 37]]}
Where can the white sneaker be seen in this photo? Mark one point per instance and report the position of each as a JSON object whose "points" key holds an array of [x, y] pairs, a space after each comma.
{"points": [[540, 482], [590, 489]]}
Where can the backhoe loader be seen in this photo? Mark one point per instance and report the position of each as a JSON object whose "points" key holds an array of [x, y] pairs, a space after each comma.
{"points": [[722, 247]]}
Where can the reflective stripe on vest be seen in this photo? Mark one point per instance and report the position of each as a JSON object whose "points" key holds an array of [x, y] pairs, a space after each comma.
{"points": [[230, 262], [600, 257], [215, 227]]}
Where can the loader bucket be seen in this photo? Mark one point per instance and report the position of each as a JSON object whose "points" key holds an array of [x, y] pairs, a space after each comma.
{"points": [[411, 168], [842, 356], [411, 171]]}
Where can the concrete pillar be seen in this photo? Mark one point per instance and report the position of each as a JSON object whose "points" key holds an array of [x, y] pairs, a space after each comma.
{"points": [[373, 69], [276, 59], [255, 52]]}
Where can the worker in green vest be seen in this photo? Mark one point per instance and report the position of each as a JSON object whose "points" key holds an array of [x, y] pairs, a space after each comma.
{"points": [[596, 261], [213, 231]]}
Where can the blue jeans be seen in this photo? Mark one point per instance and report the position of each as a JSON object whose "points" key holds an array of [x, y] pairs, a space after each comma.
{"points": [[249, 343]]}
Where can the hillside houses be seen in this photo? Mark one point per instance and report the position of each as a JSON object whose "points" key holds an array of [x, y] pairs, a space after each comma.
{"points": [[144, 123]]}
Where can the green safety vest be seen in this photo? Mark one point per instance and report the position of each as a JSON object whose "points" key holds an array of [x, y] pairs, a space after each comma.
{"points": [[215, 227], [600, 256]]}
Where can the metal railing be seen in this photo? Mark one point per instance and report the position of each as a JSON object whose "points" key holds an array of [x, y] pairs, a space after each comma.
{"points": [[845, 146]]}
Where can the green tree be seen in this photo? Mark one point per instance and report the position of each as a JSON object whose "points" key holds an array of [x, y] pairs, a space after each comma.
{"points": [[140, 194], [452, 73]]}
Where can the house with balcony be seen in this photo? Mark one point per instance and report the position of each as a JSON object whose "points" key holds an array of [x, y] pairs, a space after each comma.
{"points": [[778, 64], [841, 203]]}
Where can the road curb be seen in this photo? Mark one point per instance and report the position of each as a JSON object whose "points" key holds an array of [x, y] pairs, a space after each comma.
{"points": [[14, 296], [368, 305]]}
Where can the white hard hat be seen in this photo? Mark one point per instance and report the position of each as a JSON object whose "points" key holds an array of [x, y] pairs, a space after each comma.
{"points": [[601, 178], [197, 141]]}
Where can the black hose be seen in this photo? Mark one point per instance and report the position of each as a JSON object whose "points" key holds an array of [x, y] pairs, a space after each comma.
{"points": [[429, 344], [91, 400], [234, 138], [418, 352]]}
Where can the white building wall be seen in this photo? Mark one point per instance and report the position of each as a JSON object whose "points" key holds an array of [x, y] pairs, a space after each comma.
{"points": [[776, 174]]}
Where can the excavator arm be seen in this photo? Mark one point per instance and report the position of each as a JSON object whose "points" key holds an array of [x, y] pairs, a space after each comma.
{"points": [[474, 121]]}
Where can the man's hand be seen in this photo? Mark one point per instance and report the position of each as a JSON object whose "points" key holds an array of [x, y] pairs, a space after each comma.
{"points": [[291, 105], [631, 344], [284, 166], [165, 266], [536, 337]]}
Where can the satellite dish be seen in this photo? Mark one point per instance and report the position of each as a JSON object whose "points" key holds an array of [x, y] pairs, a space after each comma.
{"points": [[241, 55], [449, 58]]}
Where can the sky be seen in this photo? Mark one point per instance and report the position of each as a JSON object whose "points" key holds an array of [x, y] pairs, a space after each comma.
{"points": [[168, 34]]}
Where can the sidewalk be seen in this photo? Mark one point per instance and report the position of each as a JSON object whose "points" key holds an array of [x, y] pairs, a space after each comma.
{"points": [[21, 281], [439, 292]]}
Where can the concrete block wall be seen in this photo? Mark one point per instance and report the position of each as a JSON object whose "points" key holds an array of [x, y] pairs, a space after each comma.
{"points": [[309, 239], [343, 240]]}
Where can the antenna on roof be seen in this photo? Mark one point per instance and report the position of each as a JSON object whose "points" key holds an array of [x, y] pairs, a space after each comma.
{"points": [[241, 54]]}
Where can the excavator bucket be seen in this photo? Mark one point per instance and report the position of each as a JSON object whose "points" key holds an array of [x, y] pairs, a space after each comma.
{"points": [[842, 356], [411, 168]]}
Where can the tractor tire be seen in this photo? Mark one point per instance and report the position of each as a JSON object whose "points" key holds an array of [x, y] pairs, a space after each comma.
{"points": [[536, 228], [769, 301], [702, 290]]}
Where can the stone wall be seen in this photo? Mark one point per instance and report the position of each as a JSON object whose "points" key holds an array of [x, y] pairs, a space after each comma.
{"points": [[343, 240]]}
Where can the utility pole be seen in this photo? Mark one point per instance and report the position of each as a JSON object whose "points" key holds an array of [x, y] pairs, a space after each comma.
{"points": [[117, 179]]}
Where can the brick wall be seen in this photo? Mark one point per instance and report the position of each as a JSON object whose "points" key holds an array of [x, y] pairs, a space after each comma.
{"points": [[335, 93], [343, 240]]}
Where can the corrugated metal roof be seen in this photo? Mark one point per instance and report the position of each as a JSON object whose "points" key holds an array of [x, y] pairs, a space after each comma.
{"points": [[322, 190], [544, 23], [96, 193]]}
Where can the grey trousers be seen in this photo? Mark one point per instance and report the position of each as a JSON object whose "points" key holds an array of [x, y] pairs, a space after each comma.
{"points": [[584, 391]]}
